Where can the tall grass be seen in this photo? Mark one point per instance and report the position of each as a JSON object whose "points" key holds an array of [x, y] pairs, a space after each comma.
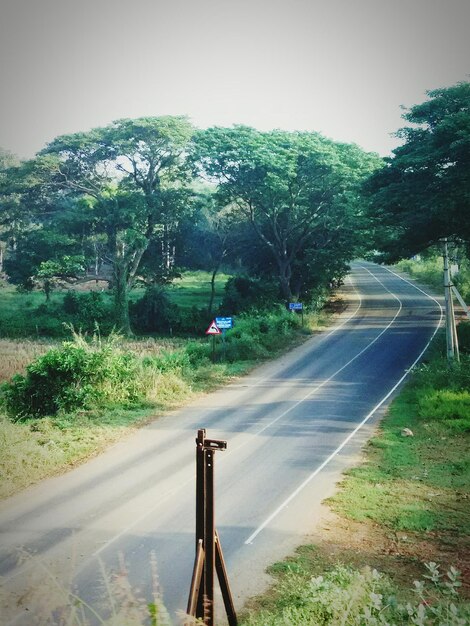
{"points": [[52, 600], [430, 270], [16, 355]]}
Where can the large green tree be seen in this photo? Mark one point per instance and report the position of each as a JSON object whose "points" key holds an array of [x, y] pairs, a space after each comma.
{"points": [[423, 193], [128, 183], [298, 191]]}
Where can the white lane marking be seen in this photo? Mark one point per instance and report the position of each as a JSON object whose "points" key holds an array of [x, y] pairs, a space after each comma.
{"points": [[309, 478], [233, 449], [322, 337], [330, 378]]}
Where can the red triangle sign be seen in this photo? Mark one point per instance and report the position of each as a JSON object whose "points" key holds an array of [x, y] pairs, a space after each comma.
{"points": [[213, 329]]}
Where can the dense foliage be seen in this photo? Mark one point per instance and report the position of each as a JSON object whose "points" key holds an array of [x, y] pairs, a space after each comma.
{"points": [[299, 195], [130, 203], [422, 193]]}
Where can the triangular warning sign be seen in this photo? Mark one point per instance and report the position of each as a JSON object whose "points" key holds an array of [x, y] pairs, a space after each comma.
{"points": [[213, 329]]}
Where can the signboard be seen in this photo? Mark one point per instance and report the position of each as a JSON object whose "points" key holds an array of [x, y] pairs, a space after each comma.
{"points": [[213, 329], [296, 306], [224, 322]]}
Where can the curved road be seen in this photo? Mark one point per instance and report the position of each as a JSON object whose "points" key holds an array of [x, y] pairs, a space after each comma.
{"points": [[292, 426]]}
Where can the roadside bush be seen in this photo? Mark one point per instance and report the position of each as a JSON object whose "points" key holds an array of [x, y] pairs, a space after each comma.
{"points": [[154, 313], [452, 407], [256, 336], [463, 333], [174, 361], [243, 293], [199, 353], [439, 374], [365, 598], [75, 376]]}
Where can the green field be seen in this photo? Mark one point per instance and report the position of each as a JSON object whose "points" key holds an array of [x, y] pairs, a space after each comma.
{"points": [[193, 289], [29, 314]]}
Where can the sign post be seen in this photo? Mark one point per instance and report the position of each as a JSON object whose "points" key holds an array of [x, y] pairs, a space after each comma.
{"points": [[213, 330], [297, 306], [224, 323]]}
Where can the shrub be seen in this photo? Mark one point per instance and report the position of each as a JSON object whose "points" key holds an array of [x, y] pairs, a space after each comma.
{"points": [[439, 374], [446, 405], [71, 303], [243, 293], [199, 353], [463, 333], [154, 313], [87, 310], [75, 376], [366, 598]]}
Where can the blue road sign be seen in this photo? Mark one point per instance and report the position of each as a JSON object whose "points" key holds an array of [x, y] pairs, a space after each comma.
{"points": [[296, 306], [224, 322]]}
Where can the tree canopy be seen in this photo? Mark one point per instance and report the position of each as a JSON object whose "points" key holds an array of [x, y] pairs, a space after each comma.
{"points": [[298, 191], [423, 193], [120, 189], [128, 202]]}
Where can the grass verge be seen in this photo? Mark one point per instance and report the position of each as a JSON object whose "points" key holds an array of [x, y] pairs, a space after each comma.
{"points": [[405, 505]]}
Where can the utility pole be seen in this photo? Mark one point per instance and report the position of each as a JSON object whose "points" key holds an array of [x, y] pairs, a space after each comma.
{"points": [[451, 330]]}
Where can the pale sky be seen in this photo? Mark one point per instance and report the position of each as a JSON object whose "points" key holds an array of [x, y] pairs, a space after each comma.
{"points": [[339, 67]]}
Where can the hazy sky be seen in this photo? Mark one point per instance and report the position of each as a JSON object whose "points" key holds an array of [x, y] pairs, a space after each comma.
{"points": [[341, 67]]}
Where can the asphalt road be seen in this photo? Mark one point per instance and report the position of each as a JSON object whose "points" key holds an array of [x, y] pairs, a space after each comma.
{"points": [[292, 426]]}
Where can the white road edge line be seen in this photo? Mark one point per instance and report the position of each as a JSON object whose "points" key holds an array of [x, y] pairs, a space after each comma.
{"points": [[309, 478]]}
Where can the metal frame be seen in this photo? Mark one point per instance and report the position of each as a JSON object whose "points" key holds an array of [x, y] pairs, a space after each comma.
{"points": [[209, 559]]}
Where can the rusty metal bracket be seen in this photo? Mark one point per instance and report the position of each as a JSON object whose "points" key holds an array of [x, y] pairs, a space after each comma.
{"points": [[209, 559]]}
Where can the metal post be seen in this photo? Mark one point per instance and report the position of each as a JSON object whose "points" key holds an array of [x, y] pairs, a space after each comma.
{"points": [[448, 304], [223, 581], [451, 330], [209, 541], [209, 559], [200, 510]]}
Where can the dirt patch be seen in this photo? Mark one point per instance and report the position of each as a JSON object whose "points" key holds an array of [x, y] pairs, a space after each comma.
{"points": [[400, 555]]}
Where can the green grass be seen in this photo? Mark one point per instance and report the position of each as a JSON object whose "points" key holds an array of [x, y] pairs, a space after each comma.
{"points": [[419, 483], [29, 314], [430, 270], [193, 289]]}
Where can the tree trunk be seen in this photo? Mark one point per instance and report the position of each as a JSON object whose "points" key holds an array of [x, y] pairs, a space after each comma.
{"points": [[212, 296], [121, 293], [284, 279]]}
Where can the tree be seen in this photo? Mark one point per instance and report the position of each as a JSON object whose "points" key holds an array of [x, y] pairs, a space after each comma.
{"points": [[130, 179], [296, 190], [422, 193], [209, 237]]}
